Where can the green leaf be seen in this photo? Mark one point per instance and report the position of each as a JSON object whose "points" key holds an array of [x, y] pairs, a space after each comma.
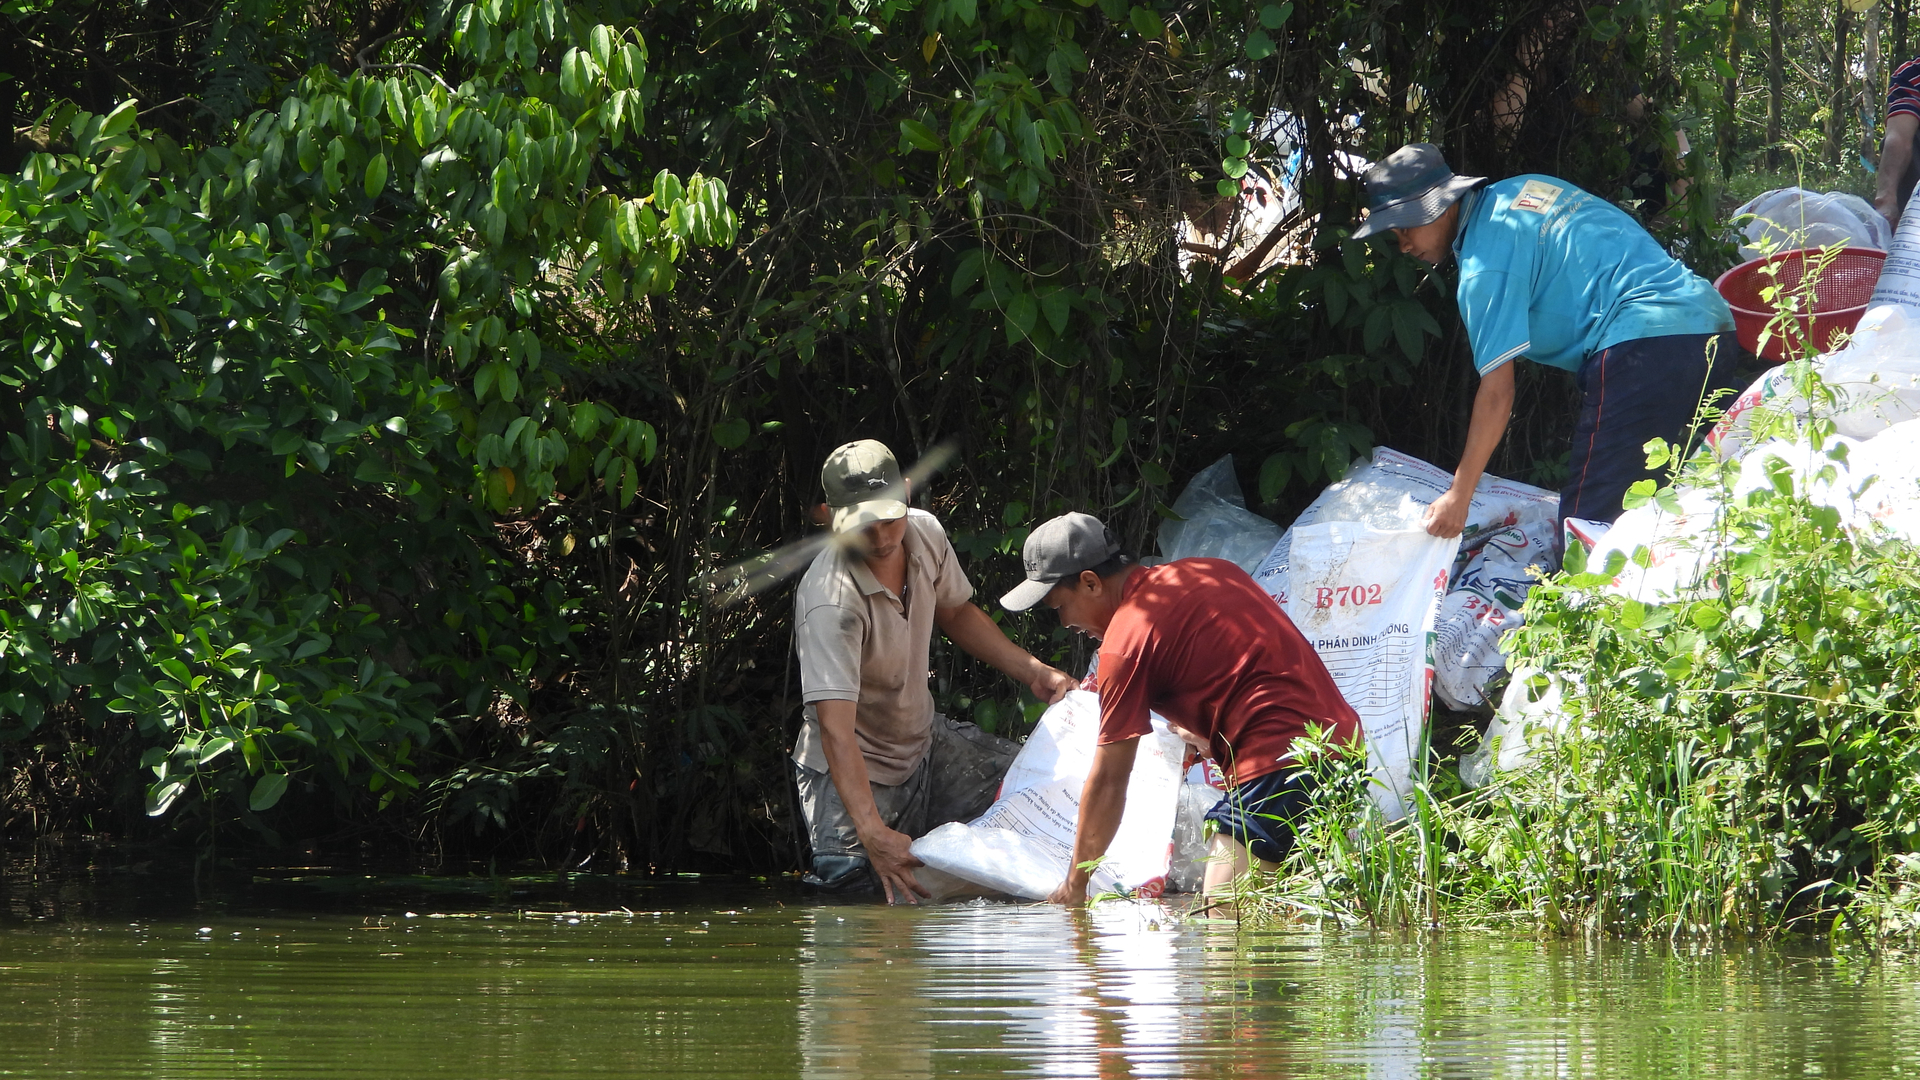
{"points": [[267, 791], [919, 135], [120, 119], [731, 433], [1259, 45], [1407, 329], [376, 175], [161, 796], [967, 271], [1274, 474], [1021, 313], [1151, 472], [1274, 16], [1058, 307], [1147, 23]]}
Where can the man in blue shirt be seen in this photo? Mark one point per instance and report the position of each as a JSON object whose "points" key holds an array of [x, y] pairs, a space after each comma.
{"points": [[1553, 274]]}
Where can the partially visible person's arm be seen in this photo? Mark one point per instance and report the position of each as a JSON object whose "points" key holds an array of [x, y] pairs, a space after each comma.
{"points": [[1492, 407], [976, 632], [1896, 152], [1102, 801], [887, 849]]}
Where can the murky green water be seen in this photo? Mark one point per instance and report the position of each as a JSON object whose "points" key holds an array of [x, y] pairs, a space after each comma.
{"points": [[759, 982]]}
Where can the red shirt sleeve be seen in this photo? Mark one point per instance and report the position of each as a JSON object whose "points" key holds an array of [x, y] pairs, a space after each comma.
{"points": [[1125, 692]]}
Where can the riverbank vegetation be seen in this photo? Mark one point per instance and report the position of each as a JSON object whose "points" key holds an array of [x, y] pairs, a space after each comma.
{"points": [[381, 378], [1741, 762]]}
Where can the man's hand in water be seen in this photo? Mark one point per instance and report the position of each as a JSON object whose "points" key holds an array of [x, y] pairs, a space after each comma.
{"points": [[888, 851], [1068, 895]]}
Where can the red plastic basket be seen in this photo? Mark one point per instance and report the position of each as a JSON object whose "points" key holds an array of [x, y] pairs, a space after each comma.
{"points": [[1839, 297]]}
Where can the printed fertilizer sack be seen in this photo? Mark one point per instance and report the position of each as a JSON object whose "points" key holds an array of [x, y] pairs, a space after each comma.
{"points": [[1483, 604], [1022, 844], [1365, 598], [1392, 491]]}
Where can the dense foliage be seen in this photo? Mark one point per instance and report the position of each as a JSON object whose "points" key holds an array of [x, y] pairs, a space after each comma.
{"points": [[383, 381]]}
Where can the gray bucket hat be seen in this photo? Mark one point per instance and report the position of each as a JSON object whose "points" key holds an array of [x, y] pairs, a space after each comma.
{"points": [[1412, 186]]}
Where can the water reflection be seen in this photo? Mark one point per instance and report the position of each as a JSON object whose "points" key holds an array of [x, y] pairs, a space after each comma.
{"points": [[771, 986], [997, 990], [1121, 991]]}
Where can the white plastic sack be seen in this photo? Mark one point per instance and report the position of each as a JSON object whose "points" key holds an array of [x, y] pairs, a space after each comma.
{"points": [[1893, 498], [1216, 523], [1899, 283], [1365, 599], [1483, 604], [1391, 491], [1023, 844], [1788, 218], [1875, 382], [1679, 546], [1526, 719], [1199, 793]]}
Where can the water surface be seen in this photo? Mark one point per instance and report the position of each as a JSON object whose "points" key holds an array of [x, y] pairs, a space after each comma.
{"points": [[689, 979]]}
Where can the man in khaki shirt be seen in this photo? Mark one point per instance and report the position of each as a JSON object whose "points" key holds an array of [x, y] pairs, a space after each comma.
{"points": [[875, 765]]}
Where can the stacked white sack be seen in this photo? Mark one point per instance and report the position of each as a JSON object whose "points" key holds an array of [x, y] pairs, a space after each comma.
{"points": [[1023, 843], [1510, 527], [1794, 217], [1365, 598], [1214, 522], [1483, 604]]}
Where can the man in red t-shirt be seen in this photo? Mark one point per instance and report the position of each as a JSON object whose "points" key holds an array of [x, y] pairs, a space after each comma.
{"points": [[1198, 642]]}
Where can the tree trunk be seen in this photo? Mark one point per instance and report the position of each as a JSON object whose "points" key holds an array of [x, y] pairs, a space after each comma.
{"points": [[1776, 81], [1900, 53], [1872, 87], [1837, 89], [1730, 92], [1669, 17]]}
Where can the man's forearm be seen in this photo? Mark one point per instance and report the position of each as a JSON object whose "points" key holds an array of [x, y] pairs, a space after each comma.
{"points": [[1102, 802], [1896, 153], [1492, 408], [976, 632], [846, 765]]}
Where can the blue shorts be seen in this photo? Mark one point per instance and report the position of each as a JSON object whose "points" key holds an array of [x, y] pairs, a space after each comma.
{"points": [[1260, 813], [1648, 388]]}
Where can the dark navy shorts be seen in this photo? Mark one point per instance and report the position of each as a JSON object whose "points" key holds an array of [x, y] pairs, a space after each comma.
{"points": [[1648, 388], [1260, 813]]}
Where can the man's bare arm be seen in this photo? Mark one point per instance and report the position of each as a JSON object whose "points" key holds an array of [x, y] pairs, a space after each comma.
{"points": [[1895, 154], [973, 630], [1102, 801], [1492, 407], [887, 849]]}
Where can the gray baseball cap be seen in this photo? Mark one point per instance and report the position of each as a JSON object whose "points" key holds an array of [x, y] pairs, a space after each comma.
{"points": [[862, 482], [1057, 550], [1412, 186]]}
